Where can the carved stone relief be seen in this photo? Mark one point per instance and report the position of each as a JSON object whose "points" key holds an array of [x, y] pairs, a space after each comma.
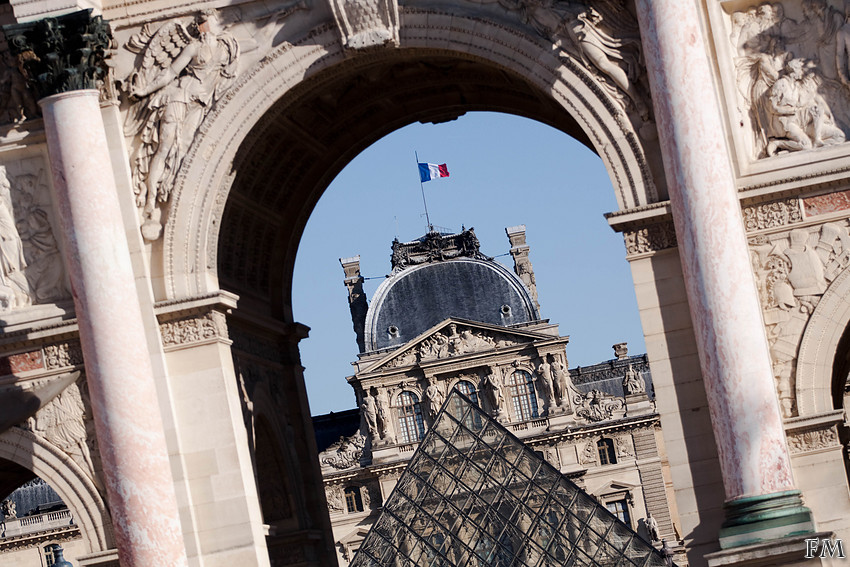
{"points": [[587, 455], [63, 355], [183, 68], [772, 215], [336, 500], [366, 23], [597, 406], [605, 38], [625, 447], [31, 268], [345, 453], [791, 75], [66, 422], [650, 238], [793, 270], [193, 329], [812, 440]]}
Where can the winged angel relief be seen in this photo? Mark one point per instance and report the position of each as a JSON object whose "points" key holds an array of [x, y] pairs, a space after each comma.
{"points": [[185, 69]]}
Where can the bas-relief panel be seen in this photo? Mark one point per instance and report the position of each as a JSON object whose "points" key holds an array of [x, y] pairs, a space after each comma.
{"points": [[791, 72], [793, 270], [31, 267]]}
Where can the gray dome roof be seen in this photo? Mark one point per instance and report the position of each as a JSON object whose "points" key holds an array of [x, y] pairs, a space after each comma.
{"points": [[415, 299]]}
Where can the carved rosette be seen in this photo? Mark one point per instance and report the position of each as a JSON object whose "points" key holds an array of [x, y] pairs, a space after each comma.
{"points": [[194, 329], [63, 53]]}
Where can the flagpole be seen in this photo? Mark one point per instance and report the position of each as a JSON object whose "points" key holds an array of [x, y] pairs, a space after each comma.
{"points": [[422, 187]]}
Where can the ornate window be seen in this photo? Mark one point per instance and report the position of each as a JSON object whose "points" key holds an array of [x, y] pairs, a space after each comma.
{"points": [[607, 452], [411, 428], [522, 394], [466, 388], [620, 508], [353, 501]]}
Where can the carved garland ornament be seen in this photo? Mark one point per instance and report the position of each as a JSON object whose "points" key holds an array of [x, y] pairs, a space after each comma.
{"points": [[194, 329], [812, 440], [650, 238]]}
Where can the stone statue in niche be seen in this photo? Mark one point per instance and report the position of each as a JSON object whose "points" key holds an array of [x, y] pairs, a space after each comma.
{"points": [[185, 69], [494, 391], [383, 412], [562, 381], [16, 99], [789, 77], [544, 371], [605, 37], [370, 413], [842, 49], [436, 397]]}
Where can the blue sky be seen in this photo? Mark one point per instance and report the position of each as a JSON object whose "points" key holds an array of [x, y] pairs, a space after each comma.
{"points": [[505, 170]]}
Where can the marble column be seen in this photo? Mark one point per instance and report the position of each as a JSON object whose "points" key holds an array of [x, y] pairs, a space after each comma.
{"points": [[131, 440], [762, 502]]}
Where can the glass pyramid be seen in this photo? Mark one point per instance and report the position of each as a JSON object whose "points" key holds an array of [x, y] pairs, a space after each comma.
{"points": [[473, 495]]}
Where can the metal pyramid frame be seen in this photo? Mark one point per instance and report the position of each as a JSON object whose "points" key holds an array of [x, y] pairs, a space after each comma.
{"points": [[473, 495]]}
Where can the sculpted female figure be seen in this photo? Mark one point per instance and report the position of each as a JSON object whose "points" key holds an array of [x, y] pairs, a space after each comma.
{"points": [[184, 71]]}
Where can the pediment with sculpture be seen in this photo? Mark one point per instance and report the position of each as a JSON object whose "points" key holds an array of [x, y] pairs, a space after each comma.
{"points": [[454, 338]]}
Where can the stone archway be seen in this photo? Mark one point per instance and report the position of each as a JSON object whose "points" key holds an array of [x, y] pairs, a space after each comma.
{"points": [[74, 487], [820, 346], [280, 134]]}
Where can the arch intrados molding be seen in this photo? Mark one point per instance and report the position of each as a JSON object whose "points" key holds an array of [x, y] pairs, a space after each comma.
{"points": [[818, 347], [68, 480], [191, 233]]}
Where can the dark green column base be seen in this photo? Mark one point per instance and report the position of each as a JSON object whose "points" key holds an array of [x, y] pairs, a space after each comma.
{"points": [[754, 519]]}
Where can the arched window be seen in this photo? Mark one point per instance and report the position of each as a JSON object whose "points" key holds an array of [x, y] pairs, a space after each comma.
{"points": [[522, 395], [466, 388], [607, 453], [410, 425], [353, 501]]}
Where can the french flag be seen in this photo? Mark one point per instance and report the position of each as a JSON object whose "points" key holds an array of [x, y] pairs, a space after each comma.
{"points": [[429, 171]]}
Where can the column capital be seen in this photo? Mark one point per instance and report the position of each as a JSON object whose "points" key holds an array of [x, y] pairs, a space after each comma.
{"points": [[62, 53]]}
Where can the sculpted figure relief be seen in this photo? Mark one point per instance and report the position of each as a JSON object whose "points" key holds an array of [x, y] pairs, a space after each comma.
{"points": [[802, 119], [370, 414], [14, 289], [791, 76], [544, 371], [185, 69], [604, 37]]}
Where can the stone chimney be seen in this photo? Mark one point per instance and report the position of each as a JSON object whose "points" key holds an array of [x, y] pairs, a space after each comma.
{"points": [[522, 265], [356, 298], [621, 351]]}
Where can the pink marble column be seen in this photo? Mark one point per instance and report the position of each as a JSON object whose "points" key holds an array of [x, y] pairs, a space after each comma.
{"points": [[724, 304], [129, 427]]}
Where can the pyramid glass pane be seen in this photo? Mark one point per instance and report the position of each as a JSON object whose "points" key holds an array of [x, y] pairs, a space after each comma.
{"points": [[474, 495]]}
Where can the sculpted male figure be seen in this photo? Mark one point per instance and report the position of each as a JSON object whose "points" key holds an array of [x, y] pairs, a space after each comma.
{"points": [[545, 372]]}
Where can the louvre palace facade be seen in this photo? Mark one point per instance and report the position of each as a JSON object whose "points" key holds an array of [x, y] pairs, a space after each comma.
{"points": [[449, 318], [159, 161]]}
